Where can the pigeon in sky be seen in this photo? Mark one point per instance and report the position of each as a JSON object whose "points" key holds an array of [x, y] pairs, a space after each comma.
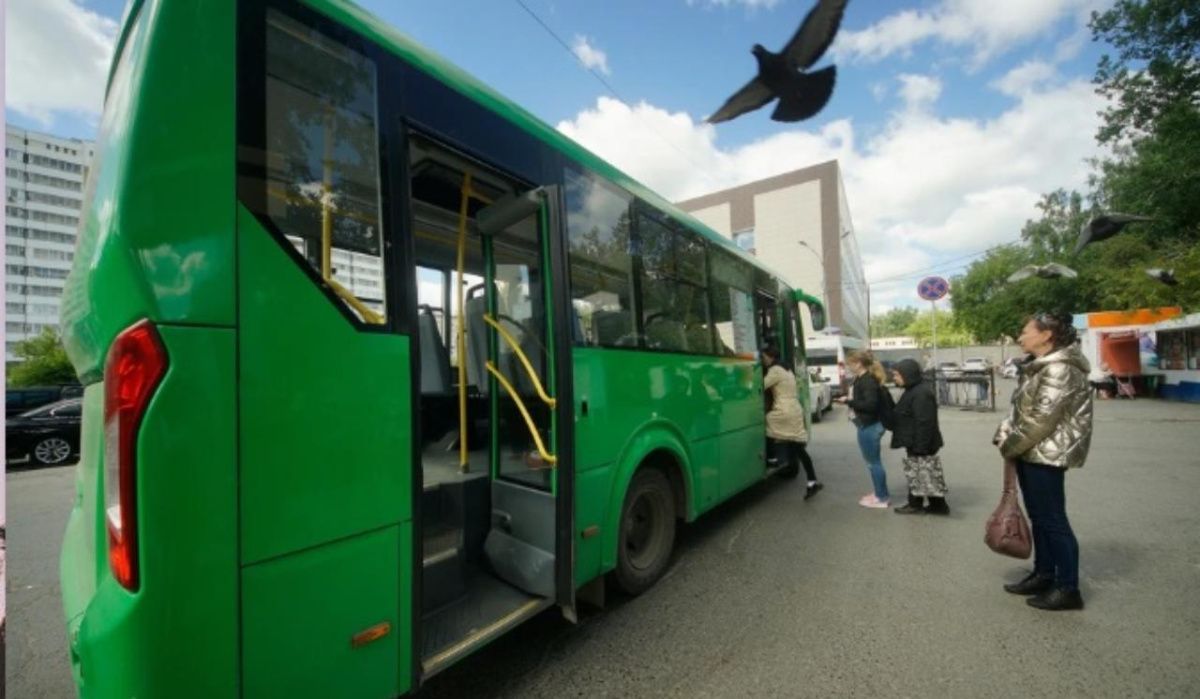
{"points": [[1104, 227], [1166, 276], [782, 75], [1052, 270]]}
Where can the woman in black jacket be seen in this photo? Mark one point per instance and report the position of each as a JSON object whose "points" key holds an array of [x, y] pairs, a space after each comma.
{"points": [[915, 429], [866, 402]]}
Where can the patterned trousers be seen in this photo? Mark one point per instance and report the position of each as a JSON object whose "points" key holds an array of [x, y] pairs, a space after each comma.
{"points": [[925, 476]]}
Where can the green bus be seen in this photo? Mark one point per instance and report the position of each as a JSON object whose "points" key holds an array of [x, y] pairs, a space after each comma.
{"points": [[376, 364]]}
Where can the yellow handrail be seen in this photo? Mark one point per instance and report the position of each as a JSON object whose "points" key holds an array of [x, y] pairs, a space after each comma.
{"points": [[537, 439], [327, 199], [463, 464], [537, 383], [367, 314]]}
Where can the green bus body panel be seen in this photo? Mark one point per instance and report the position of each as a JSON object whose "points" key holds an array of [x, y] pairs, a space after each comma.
{"points": [[301, 611], [705, 411], [177, 635], [326, 419], [156, 232]]}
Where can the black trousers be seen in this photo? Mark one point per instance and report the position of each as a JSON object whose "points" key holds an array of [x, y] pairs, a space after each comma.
{"points": [[793, 454]]}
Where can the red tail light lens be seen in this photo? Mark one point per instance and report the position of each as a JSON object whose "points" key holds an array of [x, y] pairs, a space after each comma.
{"points": [[135, 366]]}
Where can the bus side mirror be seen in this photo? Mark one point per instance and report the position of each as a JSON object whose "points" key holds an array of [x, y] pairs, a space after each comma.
{"points": [[818, 316], [816, 309]]}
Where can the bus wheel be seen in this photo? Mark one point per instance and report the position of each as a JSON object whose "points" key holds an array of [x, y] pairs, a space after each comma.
{"points": [[647, 531]]}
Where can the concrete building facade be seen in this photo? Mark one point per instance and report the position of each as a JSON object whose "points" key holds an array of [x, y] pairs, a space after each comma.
{"points": [[44, 185], [799, 223]]}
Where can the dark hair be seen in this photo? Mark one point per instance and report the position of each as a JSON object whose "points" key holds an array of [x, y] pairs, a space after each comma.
{"points": [[773, 352], [1060, 325]]}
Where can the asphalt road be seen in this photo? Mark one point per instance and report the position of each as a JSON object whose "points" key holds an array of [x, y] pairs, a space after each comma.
{"points": [[773, 596]]}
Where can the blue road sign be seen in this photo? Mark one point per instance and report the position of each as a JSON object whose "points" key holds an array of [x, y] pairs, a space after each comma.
{"points": [[933, 288]]}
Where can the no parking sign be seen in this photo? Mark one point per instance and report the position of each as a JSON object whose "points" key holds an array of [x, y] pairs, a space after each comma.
{"points": [[933, 288]]}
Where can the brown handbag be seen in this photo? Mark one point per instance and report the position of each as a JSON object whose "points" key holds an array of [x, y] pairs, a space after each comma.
{"points": [[1007, 530]]}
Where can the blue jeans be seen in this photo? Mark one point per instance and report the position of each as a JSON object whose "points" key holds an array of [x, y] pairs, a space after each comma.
{"points": [[868, 443], [1056, 551]]}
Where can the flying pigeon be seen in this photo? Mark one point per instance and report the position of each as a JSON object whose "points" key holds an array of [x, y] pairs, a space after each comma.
{"points": [[782, 75], [1166, 276], [1104, 227], [1052, 270]]}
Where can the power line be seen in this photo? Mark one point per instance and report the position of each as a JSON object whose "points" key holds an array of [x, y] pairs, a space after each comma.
{"points": [[924, 271], [608, 86]]}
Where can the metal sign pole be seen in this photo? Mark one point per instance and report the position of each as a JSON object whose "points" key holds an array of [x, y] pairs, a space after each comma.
{"points": [[933, 319], [933, 305]]}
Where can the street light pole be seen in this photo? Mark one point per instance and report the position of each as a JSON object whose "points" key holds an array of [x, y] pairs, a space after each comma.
{"points": [[821, 266]]}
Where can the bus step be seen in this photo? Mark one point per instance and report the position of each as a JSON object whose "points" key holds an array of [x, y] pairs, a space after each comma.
{"points": [[443, 578]]}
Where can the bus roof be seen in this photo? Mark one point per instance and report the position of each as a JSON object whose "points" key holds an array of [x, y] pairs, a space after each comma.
{"points": [[392, 39]]}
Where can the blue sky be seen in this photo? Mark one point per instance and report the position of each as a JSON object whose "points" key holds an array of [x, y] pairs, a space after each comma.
{"points": [[949, 118]]}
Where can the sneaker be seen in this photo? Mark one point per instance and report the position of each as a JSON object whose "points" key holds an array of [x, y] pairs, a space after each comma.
{"points": [[874, 503], [811, 490]]}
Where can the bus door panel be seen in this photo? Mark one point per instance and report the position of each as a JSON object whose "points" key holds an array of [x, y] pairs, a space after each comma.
{"points": [[523, 540]]}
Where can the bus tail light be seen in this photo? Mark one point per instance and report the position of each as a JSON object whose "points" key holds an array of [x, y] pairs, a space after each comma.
{"points": [[135, 366]]}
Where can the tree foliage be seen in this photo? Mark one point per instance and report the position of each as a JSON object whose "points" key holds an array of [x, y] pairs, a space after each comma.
{"points": [[44, 362], [950, 330], [894, 322], [1155, 70], [1152, 81]]}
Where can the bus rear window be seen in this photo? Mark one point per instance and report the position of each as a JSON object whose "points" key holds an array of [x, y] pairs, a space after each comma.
{"points": [[821, 359], [322, 161]]}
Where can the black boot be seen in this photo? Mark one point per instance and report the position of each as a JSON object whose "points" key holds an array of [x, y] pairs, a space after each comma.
{"points": [[937, 506], [914, 506], [1057, 599], [1033, 584]]}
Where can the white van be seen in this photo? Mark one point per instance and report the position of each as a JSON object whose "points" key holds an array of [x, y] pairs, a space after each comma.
{"points": [[827, 354]]}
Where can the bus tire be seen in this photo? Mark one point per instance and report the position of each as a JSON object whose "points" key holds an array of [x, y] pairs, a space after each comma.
{"points": [[647, 534]]}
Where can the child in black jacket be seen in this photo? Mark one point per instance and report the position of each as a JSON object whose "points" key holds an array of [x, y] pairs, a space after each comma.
{"points": [[916, 430]]}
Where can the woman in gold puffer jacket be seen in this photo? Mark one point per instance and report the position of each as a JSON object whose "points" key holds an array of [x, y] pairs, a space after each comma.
{"points": [[1049, 430]]}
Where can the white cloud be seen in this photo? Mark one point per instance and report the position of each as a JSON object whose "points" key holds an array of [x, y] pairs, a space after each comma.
{"points": [[985, 27], [1025, 78], [923, 189], [919, 91], [592, 57], [57, 58]]}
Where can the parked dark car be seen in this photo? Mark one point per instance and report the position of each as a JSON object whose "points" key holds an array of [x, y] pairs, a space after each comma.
{"points": [[48, 435], [22, 400]]}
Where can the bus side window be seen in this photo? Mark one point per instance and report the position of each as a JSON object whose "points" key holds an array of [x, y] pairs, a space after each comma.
{"points": [[601, 261], [322, 170], [674, 307], [730, 282]]}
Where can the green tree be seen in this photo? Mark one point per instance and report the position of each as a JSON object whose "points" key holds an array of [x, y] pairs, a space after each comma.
{"points": [[892, 323], [1154, 71], [950, 332], [44, 362]]}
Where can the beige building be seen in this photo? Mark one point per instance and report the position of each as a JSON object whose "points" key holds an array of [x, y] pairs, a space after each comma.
{"points": [[799, 223]]}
